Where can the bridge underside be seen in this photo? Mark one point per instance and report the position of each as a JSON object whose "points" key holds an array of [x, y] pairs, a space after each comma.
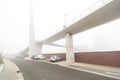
{"points": [[105, 14]]}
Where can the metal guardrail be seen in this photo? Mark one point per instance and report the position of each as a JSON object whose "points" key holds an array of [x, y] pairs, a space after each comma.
{"points": [[85, 13], [88, 11]]}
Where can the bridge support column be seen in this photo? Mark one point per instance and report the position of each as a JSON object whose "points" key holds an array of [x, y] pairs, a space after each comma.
{"points": [[35, 49], [69, 49]]}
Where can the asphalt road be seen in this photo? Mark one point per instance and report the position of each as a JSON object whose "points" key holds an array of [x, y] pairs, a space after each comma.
{"points": [[37, 70]]}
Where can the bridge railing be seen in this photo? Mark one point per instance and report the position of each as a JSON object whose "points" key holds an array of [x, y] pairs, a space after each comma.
{"points": [[85, 13], [88, 11]]}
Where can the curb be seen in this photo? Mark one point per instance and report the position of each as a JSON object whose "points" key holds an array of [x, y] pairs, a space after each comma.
{"points": [[10, 71], [19, 74], [88, 71], [1, 67]]}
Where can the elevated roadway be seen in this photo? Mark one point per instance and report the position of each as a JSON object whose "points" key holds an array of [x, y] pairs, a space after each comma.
{"points": [[105, 14]]}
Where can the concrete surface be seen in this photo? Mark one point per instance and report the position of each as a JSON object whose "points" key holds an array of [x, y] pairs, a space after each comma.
{"points": [[10, 71], [113, 72], [1, 67], [38, 70]]}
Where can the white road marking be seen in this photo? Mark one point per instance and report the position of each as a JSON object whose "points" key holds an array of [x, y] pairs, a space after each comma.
{"points": [[113, 73]]}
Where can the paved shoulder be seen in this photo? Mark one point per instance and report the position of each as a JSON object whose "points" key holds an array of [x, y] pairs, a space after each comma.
{"points": [[106, 71], [1, 67], [10, 71]]}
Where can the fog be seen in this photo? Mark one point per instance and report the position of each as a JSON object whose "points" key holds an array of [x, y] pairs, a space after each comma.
{"points": [[49, 16]]}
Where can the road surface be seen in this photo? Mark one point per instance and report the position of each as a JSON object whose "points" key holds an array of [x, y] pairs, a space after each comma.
{"points": [[37, 70]]}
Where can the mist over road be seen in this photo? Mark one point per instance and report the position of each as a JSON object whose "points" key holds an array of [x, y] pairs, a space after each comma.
{"points": [[37, 70]]}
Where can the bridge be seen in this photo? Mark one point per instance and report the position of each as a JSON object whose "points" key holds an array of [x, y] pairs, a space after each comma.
{"points": [[109, 10]]}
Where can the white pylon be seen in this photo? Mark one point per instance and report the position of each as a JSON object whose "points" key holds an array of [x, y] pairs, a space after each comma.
{"points": [[34, 48]]}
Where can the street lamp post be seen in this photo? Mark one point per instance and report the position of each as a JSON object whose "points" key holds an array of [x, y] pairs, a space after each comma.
{"points": [[65, 25]]}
